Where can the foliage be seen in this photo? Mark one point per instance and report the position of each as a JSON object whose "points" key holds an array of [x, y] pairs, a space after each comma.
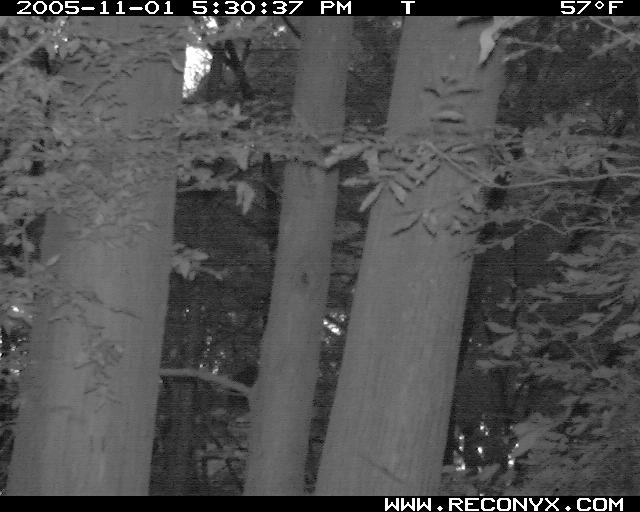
{"points": [[571, 338], [54, 146], [569, 335]]}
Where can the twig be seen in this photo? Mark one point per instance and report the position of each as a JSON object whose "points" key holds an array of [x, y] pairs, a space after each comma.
{"points": [[291, 27], [24, 54], [615, 29], [568, 230], [552, 181]]}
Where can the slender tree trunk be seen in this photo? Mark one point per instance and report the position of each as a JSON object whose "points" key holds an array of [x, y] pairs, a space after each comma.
{"points": [[389, 421], [291, 344], [180, 474], [180, 471], [87, 413]]}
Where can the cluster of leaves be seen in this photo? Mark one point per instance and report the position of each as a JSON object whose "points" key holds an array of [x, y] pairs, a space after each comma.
{"points": [[402, 165], [587, 356], [54, 150], [567, 331], [55, 141], [574, 335], [26, 91], [587, 363]]}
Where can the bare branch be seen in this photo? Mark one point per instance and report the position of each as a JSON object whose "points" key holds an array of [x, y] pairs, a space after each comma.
{"points": [[207, 376], [25, 54]]}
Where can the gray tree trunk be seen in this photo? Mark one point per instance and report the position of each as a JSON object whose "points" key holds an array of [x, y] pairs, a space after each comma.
{"points": [[77, 435], [388, 424], [291, 343]]}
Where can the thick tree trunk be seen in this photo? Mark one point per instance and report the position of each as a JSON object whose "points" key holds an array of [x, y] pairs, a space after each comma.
{"points": [[291, 344], [389, 421], [81, 432]]}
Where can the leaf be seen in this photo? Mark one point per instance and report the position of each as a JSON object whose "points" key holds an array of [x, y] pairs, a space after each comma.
{"points": [[356, 182], [467, 146], [504, 346], [455, 226], [488, 42], [198, 255], [413, 171], [403, 180], [244, 196], [609, 166], [526, 442], [498, 328], [449, 115], [241, 155], [430, 222], [515, 55], [491, 34], [52, 261], [585, 330], [626, 331], [370, 157], [607, 302], [469, 200], [399, 192], [408, 223], [592, 318], [578, 429], [102, 47], [343, 152], [487, 364], [507, 243], [371, 197], [183, 267], [577, 275], [177, 66], [73, 46], [487, 472], [603, 372]]}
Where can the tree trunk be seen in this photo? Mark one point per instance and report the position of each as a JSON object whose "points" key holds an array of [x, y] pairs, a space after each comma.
{"points": [[86, 420], [291, 344], [389, 421], [180, 474], [180, 470]]}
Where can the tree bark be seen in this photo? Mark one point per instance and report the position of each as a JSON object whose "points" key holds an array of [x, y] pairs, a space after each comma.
{"points": [[78, 435], [388, 424], [291, 343]]}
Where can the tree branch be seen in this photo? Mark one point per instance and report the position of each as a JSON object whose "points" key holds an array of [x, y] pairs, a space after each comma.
{"points": [[207, 376], [291, 27], [25, 54]]}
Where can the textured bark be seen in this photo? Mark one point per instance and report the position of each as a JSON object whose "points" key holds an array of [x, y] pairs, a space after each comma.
{"points": [[291, 344], [73, 438], [389, 421]]}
